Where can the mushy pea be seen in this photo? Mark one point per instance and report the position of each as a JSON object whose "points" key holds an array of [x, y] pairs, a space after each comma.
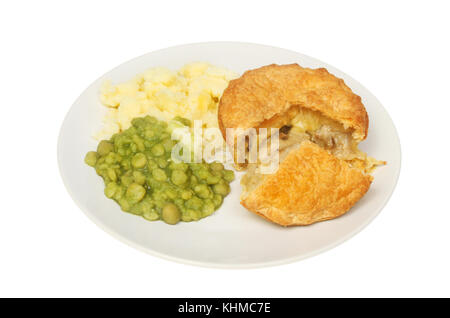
{"points": [[141, 177]]}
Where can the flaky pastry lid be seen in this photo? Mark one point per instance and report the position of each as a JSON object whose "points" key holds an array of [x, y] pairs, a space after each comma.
{"points": [[262, 93]]}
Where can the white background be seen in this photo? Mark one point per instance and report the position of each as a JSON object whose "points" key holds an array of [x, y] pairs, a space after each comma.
{"points": [[52, 50]]}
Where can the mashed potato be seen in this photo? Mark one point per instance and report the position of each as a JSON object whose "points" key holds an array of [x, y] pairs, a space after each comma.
{"points": [[193, 92]]}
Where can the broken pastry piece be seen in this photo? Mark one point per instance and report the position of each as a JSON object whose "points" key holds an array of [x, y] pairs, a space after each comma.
{"points": [[322, 173], [310, 185]]}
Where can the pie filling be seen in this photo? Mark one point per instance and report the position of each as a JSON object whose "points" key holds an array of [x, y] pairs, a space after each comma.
{"points": [[299, 124]]}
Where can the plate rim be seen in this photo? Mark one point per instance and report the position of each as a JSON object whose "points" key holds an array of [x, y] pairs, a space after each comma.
{"points": [[216, 265]]}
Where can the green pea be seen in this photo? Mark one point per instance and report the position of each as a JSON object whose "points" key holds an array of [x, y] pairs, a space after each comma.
{"points": [[167, 144], [171, 214], [178, 177], [212, 179], [104, 147], [159, 174], [139, 177], [194, 166], [151, 215], [179, 203], [202, 191], [217, 166], [185, 217], [124, 204], [127, 180], [136, 209], [217, 200], [111, 189], [119, 193], [148, 200], [162, 162], [194, 181], [203, 174], [157, 150], [186, 194], [139, 160], [91, 158], [102, 166], [194, 203], [171, 194], [159, 204], [159, 195], [228, 175], [126, 163], [139, 143], [146, 204], [152, 183], [208, 209], [110, 158], [135, 192], [179, 166], [217, 173], [222, 189], [194, 215], [152, 164], [121, 151], [112, 174], [149, 134]]}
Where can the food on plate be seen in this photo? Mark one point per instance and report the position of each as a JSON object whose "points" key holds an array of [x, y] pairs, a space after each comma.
{"points": [[192, 92], [322, 173], [310, 185], [141, 176]]}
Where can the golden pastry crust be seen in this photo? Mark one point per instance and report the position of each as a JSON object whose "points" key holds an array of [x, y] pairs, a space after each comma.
{"points": [[262, 93], [311, 185]]}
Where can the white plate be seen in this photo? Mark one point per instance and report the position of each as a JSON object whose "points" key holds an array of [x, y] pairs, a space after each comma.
{"points": [[232, 237]]}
